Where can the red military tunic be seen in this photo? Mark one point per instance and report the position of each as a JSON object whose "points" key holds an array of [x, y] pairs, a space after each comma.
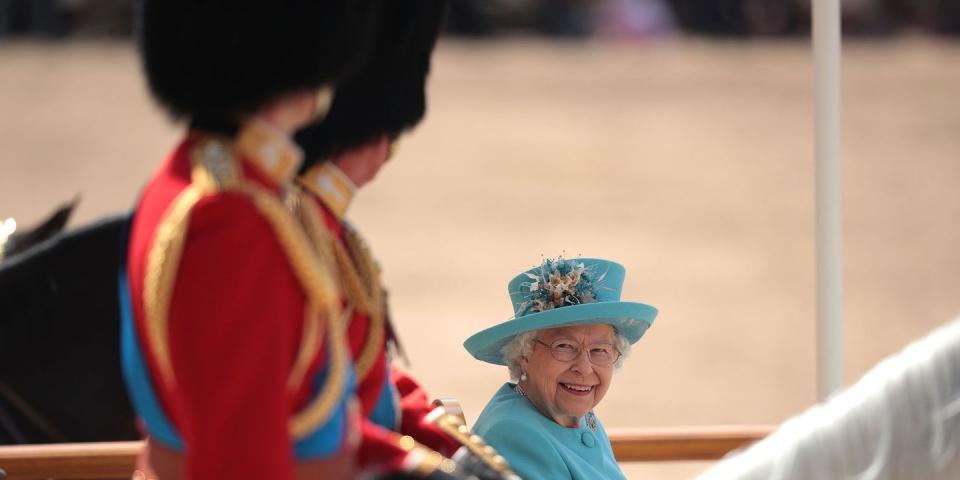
{"points": [[240, 368], [380, 386]]}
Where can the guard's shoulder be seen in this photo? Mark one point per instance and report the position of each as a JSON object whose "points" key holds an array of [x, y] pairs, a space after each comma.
{"points": [[218, 178]]}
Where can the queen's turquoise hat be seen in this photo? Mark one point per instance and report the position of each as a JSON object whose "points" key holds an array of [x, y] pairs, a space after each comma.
{"points": [[564, 292]]}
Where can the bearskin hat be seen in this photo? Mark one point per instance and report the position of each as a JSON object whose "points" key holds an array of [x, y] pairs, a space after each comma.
{"points": [[215, 58], [387, 97]]}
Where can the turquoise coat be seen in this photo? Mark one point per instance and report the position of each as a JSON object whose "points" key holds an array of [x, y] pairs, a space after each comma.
{"points": [[539, 448]]}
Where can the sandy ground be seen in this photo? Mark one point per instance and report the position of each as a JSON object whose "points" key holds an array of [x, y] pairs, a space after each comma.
{"points": [[689, 162]]}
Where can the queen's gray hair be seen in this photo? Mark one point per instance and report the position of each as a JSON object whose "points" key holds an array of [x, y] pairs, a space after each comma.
{"points": [[522, 346]]}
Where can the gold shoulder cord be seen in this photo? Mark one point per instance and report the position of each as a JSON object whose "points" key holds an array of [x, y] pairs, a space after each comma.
{"points": [[362, 281], [320, 239], [163, 258], [215, 170], [358, 274]]}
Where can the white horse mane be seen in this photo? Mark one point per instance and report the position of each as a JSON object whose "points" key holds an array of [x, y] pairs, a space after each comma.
{"points": [[900, 421]]}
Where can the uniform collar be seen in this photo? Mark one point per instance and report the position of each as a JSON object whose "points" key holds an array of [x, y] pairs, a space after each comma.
{"points": [[331, 186], [272, 153]]}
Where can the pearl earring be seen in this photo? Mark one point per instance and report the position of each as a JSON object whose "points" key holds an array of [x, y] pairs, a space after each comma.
{"points": [[523, 377]]}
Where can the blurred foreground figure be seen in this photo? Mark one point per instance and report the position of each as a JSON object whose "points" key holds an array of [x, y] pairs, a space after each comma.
{"points": [[232, 341], [900, 421], [402, 435]]}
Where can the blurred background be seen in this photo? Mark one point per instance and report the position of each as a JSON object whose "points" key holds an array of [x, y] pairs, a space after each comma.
{"points": [[675, 137]]}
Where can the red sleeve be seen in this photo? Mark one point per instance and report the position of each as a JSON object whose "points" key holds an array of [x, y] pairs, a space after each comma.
{"points": [[380, 450], [234, 327], [414, 407]]}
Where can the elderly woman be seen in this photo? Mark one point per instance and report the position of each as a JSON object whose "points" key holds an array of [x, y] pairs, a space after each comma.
{"points": [[569, 333]]}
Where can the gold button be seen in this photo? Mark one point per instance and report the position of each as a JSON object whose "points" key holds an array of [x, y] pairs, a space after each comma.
{"points": [[448, 466], [407, 442]]}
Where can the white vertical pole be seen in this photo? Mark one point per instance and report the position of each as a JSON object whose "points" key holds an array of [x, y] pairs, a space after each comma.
{"points": [[826, 50]]}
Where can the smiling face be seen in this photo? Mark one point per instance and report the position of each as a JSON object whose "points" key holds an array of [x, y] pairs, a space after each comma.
{"points": [[566, 391]]}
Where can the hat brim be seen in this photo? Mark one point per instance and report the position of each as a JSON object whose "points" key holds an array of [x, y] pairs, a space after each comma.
{"points": [[631, 319]]}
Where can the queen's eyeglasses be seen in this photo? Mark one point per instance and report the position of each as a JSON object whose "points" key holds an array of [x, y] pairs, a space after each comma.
{"points": [[600, 354]]}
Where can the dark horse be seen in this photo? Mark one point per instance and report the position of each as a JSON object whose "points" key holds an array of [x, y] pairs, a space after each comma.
{"points": [[60, 374]]}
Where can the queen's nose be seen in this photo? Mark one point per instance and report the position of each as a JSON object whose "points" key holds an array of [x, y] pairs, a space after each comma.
{"points": [[581, 364]]}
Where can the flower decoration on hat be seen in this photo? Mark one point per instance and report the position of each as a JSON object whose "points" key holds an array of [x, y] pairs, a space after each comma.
{"points": [[559, 283]]}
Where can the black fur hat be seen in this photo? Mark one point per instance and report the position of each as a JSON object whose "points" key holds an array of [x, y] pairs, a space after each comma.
{"points": [[388, 96], [216, 58]]}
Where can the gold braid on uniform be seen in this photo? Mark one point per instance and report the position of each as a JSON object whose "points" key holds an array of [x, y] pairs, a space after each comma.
{"points": [[163, 258], [216, 170], [320, 408], [359, 276], [427, 460], [321, 240], [163, 261]]}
